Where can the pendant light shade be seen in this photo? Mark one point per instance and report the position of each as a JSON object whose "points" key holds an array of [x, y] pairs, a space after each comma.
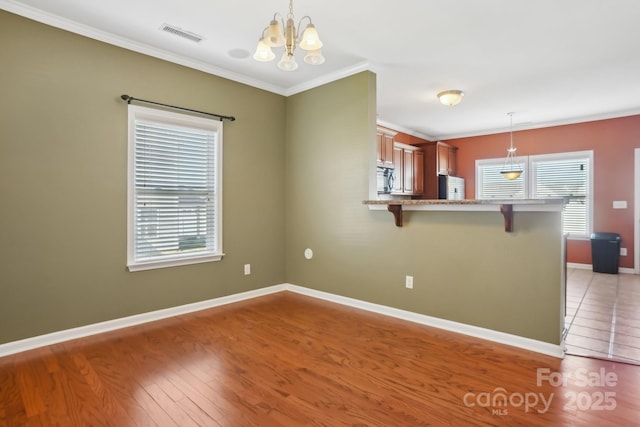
{"points": [[511, 175]]}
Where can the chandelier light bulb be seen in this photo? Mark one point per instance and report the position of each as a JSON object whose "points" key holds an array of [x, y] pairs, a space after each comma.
{"points": [[287, 62], [314, 57], [263, 52], [310, 39], [274, 36]]}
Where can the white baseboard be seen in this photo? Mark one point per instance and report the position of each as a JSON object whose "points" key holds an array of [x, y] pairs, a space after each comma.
{"points": [[555, 350], [623, 270], [579, 266], [110, 325], [124, 322]]}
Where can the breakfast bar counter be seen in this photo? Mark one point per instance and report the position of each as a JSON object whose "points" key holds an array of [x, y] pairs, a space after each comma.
{"points": [[505, 207]]}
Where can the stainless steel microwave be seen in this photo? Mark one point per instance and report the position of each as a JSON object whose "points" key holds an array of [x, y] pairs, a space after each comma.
{"points": [[385, 179]]}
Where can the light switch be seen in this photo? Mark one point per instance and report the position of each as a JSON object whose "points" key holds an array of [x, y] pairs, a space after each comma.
{"points": [[620, 204]]}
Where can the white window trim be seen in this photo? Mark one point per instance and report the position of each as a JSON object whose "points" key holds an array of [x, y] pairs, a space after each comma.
{"points": [[529, 180], [135, 111]]}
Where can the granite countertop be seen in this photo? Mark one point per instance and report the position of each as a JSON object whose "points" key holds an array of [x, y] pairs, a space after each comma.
{"points": [[419, 202]]}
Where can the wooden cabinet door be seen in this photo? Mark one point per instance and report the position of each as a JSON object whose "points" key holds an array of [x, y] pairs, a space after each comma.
{"points": [[407, 178], [453, 161], [446, 157], [397, 164], [387, 148], [418, 172], [384, 149], [443, 159], [379, 149]]}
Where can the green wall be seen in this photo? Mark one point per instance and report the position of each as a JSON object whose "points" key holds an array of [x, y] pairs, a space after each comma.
{"points": [[295, 173], [466, 268], [63, 189]]}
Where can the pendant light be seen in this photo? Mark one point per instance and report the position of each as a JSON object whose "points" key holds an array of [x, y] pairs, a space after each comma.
{"points": [[511, 169]]}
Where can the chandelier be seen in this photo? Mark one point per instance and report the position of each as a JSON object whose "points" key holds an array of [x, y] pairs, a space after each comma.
{"points": [[511, 169], [274, 36]]}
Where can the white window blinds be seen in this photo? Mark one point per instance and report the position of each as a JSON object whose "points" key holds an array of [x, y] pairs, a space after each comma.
{"points": [[565, 176], [492, 185], [174, 203]]}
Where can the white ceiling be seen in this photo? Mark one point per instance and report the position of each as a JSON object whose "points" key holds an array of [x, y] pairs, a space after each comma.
{"points": [[548, 61]]}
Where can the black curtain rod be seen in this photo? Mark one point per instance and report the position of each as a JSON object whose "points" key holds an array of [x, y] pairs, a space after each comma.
{"points": [[129, 99]]}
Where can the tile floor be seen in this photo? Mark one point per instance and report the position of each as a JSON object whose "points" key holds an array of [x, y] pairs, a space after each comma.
{"points": [[603, 315]]}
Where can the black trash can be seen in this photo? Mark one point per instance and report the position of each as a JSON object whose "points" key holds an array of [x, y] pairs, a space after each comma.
{"points": [[605, 252]]}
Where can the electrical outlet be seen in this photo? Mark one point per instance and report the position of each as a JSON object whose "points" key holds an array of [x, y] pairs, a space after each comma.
{"points": [[620, 204], [247, 269], [623, 251], [408, 282]]}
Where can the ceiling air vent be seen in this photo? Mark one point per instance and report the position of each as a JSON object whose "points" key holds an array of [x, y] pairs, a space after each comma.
{"points": [[181, 33]]}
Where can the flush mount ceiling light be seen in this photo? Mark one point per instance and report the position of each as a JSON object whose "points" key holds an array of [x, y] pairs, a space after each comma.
{"points": [[450, 97], [511, 169], [274, 36]]}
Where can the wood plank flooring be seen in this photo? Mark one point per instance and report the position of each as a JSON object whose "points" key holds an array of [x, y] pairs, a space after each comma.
{"points": [[291, 360]]}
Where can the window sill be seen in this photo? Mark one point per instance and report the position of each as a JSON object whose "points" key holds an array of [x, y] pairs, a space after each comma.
{"points": [[579, 237], [175, 262]]}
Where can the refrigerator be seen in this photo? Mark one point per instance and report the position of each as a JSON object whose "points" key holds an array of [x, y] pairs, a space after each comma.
{"points": [[450, 187]]}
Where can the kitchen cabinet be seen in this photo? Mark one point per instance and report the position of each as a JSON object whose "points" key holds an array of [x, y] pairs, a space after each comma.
{"points": [[418, 172], [409, 170], [446, 159], [384, 147]]}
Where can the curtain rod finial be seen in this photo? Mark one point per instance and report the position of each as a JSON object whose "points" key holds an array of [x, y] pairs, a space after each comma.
{"points": [[126, 98]]}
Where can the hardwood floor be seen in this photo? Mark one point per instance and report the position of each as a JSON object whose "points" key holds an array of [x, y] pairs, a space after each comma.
{"points": [[291, 360]]}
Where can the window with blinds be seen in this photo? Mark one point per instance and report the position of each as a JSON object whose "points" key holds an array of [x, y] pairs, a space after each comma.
{"points": [[174, 189], [567, 175], [492, 185]]}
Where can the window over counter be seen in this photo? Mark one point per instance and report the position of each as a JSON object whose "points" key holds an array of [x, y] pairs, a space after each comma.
{"points": [[174, 189], [568, 175]]}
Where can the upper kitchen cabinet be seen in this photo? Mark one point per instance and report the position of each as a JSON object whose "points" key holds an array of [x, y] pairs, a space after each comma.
{"points": [[446, 159], [384, 147], [409, 170]]}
